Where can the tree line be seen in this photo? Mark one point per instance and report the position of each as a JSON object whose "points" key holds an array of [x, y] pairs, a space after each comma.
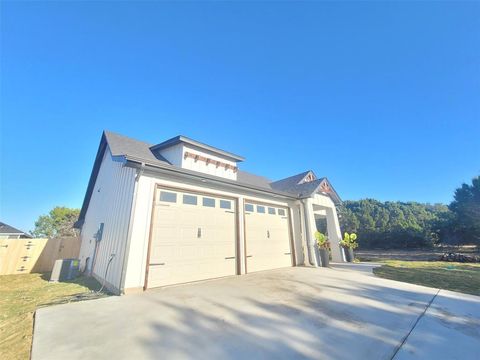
{"points": [[394, 224]]}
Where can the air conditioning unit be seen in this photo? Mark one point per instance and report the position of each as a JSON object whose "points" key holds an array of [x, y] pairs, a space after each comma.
{"points": [[65, 269]]}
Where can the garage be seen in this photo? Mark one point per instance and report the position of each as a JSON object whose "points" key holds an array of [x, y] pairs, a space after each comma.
{"points": [[193, 237], [175, 213], [267, 237]]}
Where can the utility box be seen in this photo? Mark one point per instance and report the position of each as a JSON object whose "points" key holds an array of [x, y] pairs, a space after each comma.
{"points": [[65, 269]]}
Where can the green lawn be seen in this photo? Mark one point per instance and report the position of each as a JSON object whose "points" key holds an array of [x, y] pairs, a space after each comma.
{"points": [[20, 295], [438, 274]]}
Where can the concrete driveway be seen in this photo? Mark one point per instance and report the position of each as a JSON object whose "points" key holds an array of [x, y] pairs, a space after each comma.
{"points": [[293, 313]]}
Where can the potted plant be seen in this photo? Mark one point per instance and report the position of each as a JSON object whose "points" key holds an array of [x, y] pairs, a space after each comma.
{"points": [[324, 248], [349, 243]]}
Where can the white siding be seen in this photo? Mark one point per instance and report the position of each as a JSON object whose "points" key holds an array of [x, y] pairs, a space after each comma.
{"points": [[135, 276], [110, 203], [176, 156], [211, 169]]}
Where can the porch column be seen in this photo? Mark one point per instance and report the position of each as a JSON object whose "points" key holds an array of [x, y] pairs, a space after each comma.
{"points": [[334, 234], [311, 228]]}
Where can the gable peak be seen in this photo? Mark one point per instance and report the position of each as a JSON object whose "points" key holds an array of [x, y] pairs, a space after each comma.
{"points": [[309, 177]]}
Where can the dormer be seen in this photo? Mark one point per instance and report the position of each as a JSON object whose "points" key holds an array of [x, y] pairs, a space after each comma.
{"points": [[194, 155]]}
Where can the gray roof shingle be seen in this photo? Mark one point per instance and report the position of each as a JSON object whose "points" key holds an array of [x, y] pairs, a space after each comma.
{"points": [[135, 150], [289, 181], [252, 179], [121, 146], [183, 139], [293, 186], [7, 229]]}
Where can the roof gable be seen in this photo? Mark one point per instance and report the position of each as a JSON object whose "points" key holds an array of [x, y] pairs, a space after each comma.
{"points": [[290, 181], [6, 229], [306, 184], [326, 188]]}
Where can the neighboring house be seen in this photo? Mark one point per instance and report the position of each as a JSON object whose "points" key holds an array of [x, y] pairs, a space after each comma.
{"points": [[182, 211], [9, 232]]}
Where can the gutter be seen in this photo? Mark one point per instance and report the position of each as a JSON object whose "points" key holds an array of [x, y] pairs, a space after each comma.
{"points": [[130, 229], [134, 162]]}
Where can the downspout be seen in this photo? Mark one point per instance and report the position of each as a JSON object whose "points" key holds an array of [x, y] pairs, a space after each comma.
{"points": [[130, 228], [311, 248]]}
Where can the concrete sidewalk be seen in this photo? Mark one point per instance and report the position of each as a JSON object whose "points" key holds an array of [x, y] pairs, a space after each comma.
{"points": [[292, 313]]}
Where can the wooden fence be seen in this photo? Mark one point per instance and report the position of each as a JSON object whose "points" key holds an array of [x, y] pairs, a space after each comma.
{"points": [[22, 256]]}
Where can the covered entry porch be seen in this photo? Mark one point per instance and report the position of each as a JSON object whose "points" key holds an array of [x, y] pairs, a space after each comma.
{"points": [[321, 215]]}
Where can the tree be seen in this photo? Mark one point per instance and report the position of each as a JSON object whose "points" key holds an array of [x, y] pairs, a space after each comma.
{"points": [[395, 224], [58, 222], [466, 210]]}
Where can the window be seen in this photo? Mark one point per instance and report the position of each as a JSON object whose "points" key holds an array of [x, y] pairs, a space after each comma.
{"points": [[189, 199], [168, 196], [249, 207], [281, 212], [261, 209], [209, 202], [271, 211], [225, 204]]}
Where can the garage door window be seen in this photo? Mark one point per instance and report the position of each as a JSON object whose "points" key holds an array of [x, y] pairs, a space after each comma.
{"points": [[249, 207], [281, 212], [208, 202], [225, 204], [271, 211], [189, 199], [168, 196], [261, 209]]}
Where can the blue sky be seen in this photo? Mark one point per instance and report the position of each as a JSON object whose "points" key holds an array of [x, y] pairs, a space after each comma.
{"points": [[382, 98]]}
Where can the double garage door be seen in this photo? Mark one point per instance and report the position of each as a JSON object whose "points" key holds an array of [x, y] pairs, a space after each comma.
{"points": [[194, 237]]}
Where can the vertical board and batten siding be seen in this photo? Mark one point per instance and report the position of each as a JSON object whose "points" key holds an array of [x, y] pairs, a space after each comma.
{"points": [[110, 204], [137, 258]]}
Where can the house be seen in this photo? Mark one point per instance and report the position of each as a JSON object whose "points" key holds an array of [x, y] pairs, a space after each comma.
{"points": [[182, 211], [9, 232]]}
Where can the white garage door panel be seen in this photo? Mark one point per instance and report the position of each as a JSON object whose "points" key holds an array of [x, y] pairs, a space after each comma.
{"points": [[179, 253], [267, 240]]}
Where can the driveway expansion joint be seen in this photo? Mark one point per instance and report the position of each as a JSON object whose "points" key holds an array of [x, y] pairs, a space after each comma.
{"points": [[404, 340]]}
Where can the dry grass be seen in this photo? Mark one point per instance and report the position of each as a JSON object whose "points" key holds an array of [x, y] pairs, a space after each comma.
{"points": [[20, 295], [460, 277]]}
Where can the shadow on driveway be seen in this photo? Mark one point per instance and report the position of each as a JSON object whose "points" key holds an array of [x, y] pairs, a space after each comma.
{"points": [[292, 313]]}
